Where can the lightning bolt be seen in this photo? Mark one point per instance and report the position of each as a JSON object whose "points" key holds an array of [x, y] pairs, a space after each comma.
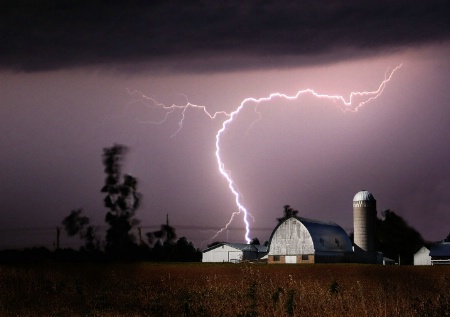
{"points": [[353, 103]]}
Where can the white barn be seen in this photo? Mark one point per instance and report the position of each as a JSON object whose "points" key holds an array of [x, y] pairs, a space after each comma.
{"points": [[301, 240], [233, 252], [422, 257]]}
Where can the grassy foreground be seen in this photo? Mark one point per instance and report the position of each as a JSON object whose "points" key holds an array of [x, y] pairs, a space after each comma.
{"points": [[198, 289]]}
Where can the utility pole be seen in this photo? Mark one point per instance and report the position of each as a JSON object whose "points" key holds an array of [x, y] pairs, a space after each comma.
{"points": [[58, 233], [167, 227], [140, 235]]}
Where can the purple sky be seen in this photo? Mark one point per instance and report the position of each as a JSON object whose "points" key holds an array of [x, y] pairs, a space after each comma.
{"points": [[65, 79]]}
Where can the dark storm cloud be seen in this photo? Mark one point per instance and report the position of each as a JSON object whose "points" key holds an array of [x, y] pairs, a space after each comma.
{"points": [[208, 35]]}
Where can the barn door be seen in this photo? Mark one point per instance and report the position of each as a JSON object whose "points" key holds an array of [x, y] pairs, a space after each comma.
{"points": [[291, 259], [234, 256]]}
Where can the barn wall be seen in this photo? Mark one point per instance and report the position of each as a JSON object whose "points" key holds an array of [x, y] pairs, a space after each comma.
{"points": [[331, 257], [223, 253], [300, 259]]}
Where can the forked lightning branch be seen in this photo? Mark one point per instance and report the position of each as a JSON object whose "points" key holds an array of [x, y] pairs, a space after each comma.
{"points": [[352, 103]]}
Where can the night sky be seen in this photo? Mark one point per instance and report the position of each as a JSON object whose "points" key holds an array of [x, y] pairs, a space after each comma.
{"points": [[80, 76]]}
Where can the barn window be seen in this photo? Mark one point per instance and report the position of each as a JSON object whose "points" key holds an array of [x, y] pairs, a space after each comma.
{"points": [[305, 257], [276, 258]]}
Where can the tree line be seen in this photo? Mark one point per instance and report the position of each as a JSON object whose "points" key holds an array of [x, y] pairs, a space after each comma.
{"points": [[122, 200]]}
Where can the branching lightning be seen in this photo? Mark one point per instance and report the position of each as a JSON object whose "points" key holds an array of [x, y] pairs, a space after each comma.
{"points": [[345, 105]]}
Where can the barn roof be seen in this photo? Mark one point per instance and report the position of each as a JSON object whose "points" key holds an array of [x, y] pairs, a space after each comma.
{"points": [[440, 249], [326, 235], [240, 246]]}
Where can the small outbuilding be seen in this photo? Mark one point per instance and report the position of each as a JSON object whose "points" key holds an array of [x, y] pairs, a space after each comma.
{"points": [[301, 240], [233, 252], [422, 257]]}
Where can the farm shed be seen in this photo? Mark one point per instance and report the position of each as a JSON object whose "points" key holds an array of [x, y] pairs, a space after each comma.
{"points": [[301, 240], [440, 253], [422, 257], [233, 252]]}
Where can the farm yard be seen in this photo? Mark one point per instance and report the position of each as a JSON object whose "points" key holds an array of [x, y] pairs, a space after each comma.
{"points": [[149, 289]]}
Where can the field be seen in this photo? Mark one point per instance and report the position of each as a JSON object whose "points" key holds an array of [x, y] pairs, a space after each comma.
{"points": [[148, 289]]}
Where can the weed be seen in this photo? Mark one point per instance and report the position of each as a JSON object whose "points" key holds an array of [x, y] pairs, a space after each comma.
{"points": [[334, 288]]}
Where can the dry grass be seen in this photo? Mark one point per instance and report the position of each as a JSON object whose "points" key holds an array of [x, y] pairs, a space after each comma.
{"points": [[223, 290]]}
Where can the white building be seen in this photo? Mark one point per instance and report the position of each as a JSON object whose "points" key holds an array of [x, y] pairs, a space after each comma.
{"points": [[422, 257], [233, 252]]}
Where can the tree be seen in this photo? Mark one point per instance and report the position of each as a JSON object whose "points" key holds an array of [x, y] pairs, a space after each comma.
{"points": [[394, 237], [122, 199], [447, 239], [255, 241], [75, 223], [288, 213], [166, 234], [186, 252]]}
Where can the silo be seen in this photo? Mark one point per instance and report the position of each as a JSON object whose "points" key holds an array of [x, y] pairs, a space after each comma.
{"points": [[364, 221]]}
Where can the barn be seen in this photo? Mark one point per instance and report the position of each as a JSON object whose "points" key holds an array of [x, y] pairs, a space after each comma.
{"points": [[233, 252], [302, 240]]}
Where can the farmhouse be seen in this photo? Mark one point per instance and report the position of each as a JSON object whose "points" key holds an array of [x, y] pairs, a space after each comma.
{"points": [[233, 252], [301, 240]]}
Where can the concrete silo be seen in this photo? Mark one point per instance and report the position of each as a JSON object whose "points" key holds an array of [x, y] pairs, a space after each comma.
{"points": [[364, 221]]}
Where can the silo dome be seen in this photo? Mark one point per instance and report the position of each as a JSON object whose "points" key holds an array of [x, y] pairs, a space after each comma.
{"points": [[363, 195]]}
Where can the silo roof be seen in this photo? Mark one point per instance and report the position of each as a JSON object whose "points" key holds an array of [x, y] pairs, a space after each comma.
{"points": [[363, 195]]}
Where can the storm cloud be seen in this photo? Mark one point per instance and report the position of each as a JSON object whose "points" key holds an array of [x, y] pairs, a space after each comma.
{"points": [[206, 36]]}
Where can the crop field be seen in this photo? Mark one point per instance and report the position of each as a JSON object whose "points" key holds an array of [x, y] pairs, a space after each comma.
{"points": [[197, 289]]}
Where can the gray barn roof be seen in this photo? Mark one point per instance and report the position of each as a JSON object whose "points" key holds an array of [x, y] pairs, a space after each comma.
{"points": [[440, 249], [327, 236]]}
